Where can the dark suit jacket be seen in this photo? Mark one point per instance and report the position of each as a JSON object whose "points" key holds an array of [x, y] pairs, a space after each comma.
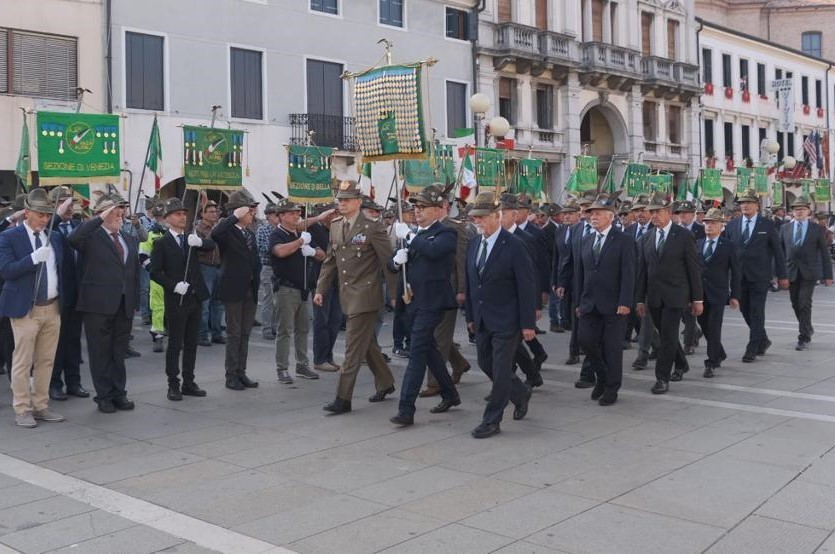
{"points": [[811, 261], [19, 272], [502, 298], [431, 262], [632, 231], [459, 272], [567, 276], [240, 266], [561, 249], [762, 255], [104, 277], [608, 282], [697, 230], [72, 265], [721, 274], [674, 279], [168, 267], [541, 256], [549, 231]]}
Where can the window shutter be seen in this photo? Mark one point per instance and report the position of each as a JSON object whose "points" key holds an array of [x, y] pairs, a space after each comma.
{"points": [[44, 66], [646, 33], [246, 84], [396, 13], [505, 11], [4, 65], [542, 14]]}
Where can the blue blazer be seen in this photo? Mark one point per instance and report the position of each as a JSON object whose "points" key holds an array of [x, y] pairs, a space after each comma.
{"points": [[19, 273], [762, 256], [503, 298], [721, 274]]}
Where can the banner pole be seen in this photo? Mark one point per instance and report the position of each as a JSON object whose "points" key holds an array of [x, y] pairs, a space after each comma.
{"points": [[144, 167], [193, 223], [406, 293]]}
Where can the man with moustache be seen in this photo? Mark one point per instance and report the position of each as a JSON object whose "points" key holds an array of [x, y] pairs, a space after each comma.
{"points": [[807, 262]]}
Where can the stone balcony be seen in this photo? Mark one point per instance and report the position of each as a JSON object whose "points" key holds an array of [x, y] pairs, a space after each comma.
{"points": [[620, 66], [531, 50], [665, 78]]}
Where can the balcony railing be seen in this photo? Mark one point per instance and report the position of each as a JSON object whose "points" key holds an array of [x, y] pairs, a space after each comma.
{"points": [[599, 56], [335, 131], [657, 68], [664, 150], [686, 74], [540, 139], [557, 46], [518, 38]]}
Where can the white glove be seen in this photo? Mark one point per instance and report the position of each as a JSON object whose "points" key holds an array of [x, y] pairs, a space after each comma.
{"points": [[40, 255], [194, 240], [146, 263], [401, 230], [181, 288], [305, 236], [401, 257], [308, 251]]}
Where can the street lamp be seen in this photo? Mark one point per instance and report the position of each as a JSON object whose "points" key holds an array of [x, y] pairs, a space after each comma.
{"points": [[479, 104], [499, 127]]}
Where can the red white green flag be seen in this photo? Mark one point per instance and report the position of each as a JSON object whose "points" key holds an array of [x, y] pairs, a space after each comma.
{"points": [[154, 161]]}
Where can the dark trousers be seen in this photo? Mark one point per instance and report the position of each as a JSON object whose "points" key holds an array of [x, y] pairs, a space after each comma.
{"points": [[239, 319], [689, 321], [601, 338], [752, 306], [711, 323], [6, 344], [68, 353], [800, 293], [400, 324], [495, 357], [183, 323], [327, 319], [587, 370], [424, 354], [666, 321], [107, 345]]}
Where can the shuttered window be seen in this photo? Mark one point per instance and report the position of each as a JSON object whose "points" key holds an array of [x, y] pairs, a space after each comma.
{"points": [[456, 107], [597, 20], [646, 33], [672, 38], [247, 83], [43, 66], [505, 11], [144, 81], [542, 14], [391, 12]]}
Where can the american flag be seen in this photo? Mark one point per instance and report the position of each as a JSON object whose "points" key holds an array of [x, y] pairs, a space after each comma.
{"points": [[810, 148]]}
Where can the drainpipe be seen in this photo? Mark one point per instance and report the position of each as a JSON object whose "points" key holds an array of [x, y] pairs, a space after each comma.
{"points": [[108, 16], [701, 110], [826, 100], [477, 9]]}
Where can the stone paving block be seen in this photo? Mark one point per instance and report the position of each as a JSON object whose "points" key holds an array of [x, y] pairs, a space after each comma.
{"points": [[718, 491], [522, 547], [237, 443], [802, 429], [821, 471], [285, 449], [803, 502], [793, 384], [176, 477], [609, 528], [133, 467], [67, 531], [470, 498], [64, 448], [203, 435], [34, 514], [22, 493], [782, 452], [6, 481], [147, 422], [134, 540], [706, 440], [188, 548], [529, 514], [749, 422], [758, 535], [803, 405], [452, 538], [299, 522], [369, 534], [418, 484], [105, 456], [13, 438], [602, 425]]}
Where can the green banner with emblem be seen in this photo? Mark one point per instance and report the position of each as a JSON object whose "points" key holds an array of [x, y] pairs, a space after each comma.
{"points": [[743, 178], [309, 173], [586, 173], [823, 190], [711, 183], [78, 148], [807, 187], [213, 158], [761, 180], [635, 179], [660, 182], [438, 168], [529, 178], [777, 193], [489, 168]]}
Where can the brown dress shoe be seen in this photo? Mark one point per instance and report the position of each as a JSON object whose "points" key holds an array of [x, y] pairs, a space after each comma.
{"points": [[429, 391]]}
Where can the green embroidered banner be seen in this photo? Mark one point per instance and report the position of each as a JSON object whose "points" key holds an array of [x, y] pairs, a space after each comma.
{"points": [[635, 179], [743, 178], [439, 168], [807, 187], [445, 163], [761, 180], [660, 182], [213, 157], [777, 194], [78, 148], [489, 168], [823, 190], [309, 173], [586, 173], [529, 178], [389, 113], [711, 183]]}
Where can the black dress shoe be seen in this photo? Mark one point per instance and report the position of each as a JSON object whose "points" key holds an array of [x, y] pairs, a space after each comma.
{"points": [[234, 383], [338, 406], [446, 405], [386, 357], [799, 346], [247, 382], [521, 409], [689, 350], [539, 331], [764, 347], [573, 359], [123, 404], [219, 340], [488, 398], [660, 387], [174, 393], [131, 353], [598, 391], [535, 381], [486, 430], [583, 383], [749, 357], [627, 345], [78, 391], [676, 376], [708, 374], [380, 395], [204, 342], [538, 360], [653, 355], [403, 421], [640, 362], [608, 398], [192, 389], [57, 394], [106, 407]]}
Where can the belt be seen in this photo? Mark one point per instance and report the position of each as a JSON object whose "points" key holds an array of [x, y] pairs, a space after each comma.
{"points": [[47, 302]]}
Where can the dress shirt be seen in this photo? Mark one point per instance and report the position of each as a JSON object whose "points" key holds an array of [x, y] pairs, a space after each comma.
{"points": [[666, 233], [121, 241], [491, 242], [51, 267], [804, 227]]}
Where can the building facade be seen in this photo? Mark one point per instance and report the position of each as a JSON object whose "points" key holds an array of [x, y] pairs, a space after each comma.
{"points": [[574, 76]]}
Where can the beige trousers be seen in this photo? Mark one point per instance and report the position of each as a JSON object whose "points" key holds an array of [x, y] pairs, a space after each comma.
{"points": [[35, 341]]}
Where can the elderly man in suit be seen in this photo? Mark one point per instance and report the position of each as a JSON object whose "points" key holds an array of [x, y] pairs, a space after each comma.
{"points": [[31, 260], [807, 262], [606, 274], [359, 249], [502, 296], [108, 296], [760, 256], [428, 259], [238, 284], [175, 268], [669, 281], [721, 277]]}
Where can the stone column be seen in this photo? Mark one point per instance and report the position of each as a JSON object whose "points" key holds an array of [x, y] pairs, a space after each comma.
{"points": [[570, 125]]}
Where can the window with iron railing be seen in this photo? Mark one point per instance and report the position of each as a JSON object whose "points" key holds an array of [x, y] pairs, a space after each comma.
{"points": [[38, 65]]}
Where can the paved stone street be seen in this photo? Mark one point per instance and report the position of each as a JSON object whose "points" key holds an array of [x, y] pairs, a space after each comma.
{"points": [[740, 463]]}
